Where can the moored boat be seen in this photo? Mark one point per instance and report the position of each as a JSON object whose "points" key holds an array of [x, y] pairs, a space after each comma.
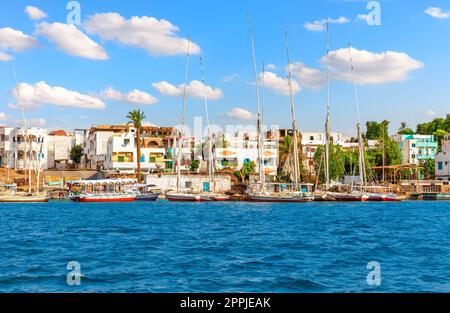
{"points": [[147, 193], [188, 197], [350, 197], [107, 190], [24, 199]]}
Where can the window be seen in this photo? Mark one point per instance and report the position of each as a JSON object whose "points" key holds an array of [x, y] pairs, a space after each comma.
{"points": [[413, 156], [142, 158], [440, 167], [311, 138], [152, 159], [126, 142], [413, 145], [121, 159], [188, 184]]}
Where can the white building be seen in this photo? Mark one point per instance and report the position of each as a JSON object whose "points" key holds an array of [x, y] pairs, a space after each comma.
{"points": [[59, 144], [442, 170], [121, 153], [416, 148], [15, 148], [235, 150]]}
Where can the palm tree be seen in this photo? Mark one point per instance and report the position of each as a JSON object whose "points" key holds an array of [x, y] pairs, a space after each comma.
{"points": [[403, 126], [136, 117]]}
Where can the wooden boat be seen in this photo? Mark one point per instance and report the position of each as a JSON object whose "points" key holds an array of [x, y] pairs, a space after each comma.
{"points": [[24, 199], [289, 197], [350, 197], [188, 197], [219, 197]]}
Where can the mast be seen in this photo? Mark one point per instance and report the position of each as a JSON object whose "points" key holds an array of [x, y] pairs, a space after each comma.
{"points": [[180, 142], [294, 123], [27, 137], [205, 98], [362, 167], [262, 177], [327, 122]]}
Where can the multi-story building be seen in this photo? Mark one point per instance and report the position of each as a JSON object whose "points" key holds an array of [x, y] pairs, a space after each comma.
{"points": [[416, 148], [235, 150], [122, 155], [97, 142], [59, 144], [442, 170], [15, 148]]}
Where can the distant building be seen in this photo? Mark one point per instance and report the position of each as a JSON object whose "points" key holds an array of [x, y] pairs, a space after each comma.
{"points": [[59, 144], [236, 149], [416, 148], [442, 170], [15, 148], [121, 153], [103, 152]]}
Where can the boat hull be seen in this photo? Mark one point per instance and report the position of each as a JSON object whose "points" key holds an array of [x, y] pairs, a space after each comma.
{"points": [[23, 200], [187, 198], [148, 197], [351, 198], [105, 199], [293, 199]]}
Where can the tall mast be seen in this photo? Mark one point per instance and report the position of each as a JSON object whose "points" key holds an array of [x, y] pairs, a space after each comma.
{"points": [[205, 98], [294, 123], [262, 177], [362, 167], [27, 137], [327, 122], [180, 141]]}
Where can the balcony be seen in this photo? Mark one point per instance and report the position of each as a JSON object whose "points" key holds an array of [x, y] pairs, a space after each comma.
{"points": [[430, 144], [425, 156]]}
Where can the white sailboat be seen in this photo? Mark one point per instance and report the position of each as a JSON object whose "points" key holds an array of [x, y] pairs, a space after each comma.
{"points": [[29, 197], [293, 194], [184, 195]]}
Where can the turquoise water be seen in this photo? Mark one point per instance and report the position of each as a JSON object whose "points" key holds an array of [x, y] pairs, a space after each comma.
{"points": [[225, 247]]}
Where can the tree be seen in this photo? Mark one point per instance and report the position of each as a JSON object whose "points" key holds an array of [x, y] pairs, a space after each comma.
{"points": [[195, 164], [405, 129], [136, 118], [375, 130], [76, 153], [246, 170], [440, 135]]}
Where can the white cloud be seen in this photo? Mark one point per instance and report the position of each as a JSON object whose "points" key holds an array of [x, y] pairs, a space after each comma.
{"points": [[36, 122], [3, 116], [41, 93], [132, 97], [320, 25], [72, 40], [430, 113], [158, 37], [35, 13], [362, 17], [437, 13], [308, 77], [195, 89], [239, 114], [370, 67], [278, 84], [16, 40], [230, 78], [4, 57], [271, 67]]}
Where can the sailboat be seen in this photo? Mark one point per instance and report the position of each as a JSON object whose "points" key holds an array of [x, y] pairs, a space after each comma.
{"points": [[211, 195], [29, 197], [262, 194], [184, 195]]}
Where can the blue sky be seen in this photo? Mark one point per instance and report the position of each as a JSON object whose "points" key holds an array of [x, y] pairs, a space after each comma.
{"points": [[402, 65]]}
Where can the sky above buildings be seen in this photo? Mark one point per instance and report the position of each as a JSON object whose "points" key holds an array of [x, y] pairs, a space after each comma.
{"points": [[78, 70]]}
